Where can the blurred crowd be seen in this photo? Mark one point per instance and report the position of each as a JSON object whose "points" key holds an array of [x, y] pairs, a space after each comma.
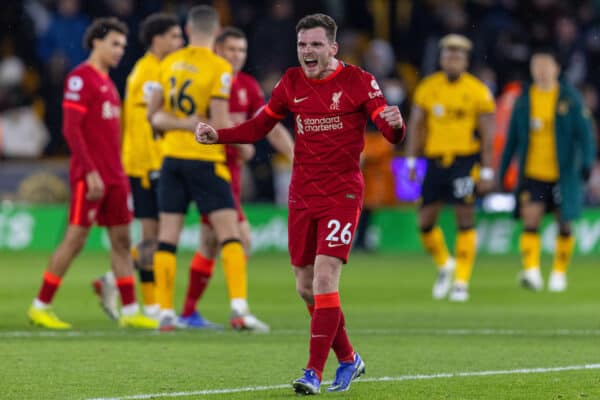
{"points": [[396, 40]]}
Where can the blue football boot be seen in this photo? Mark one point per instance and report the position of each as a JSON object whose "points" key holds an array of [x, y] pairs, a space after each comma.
{"points": [[346, 373], [195, 321], [308, 384]]}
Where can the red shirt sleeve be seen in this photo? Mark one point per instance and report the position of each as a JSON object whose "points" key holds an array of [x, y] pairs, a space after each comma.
{"points": [[258, 126], [373, 104], [75, 106]]}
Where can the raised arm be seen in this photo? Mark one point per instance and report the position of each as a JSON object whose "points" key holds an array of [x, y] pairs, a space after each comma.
{"points": [[250, 131]]}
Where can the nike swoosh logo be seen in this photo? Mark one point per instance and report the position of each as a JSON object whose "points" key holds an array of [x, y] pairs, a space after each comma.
{"points": [[318, 336], [299, 100], [335, 244]]}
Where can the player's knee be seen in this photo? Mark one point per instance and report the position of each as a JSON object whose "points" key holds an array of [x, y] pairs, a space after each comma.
{"points": [[305, 291], [565, 230], [121, 242], [146, 251], [75, 244]]}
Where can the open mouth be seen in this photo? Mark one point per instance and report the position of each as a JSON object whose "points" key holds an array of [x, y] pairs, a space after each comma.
{"points": [[310, 62]]}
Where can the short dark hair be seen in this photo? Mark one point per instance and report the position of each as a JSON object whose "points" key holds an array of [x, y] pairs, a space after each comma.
{"points": [[100, 27], [319, 21], [230, 32], [204, 19], [154, 25]]}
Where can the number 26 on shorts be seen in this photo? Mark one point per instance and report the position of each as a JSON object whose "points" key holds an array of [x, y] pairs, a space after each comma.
{"points": [[345, 236]]}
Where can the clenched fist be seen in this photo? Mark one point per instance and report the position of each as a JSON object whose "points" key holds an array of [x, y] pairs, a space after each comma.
{"points": [[392, 115], [206, 134]]}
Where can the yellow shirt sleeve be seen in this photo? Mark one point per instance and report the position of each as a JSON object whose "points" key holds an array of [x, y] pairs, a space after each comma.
{"points": [[420, 97], [486, 100], [222, 85]]}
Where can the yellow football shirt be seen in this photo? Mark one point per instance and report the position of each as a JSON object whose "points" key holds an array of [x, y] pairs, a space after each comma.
{"points": [[451, 110], [542, 161], [141, 152], [190, 78]]}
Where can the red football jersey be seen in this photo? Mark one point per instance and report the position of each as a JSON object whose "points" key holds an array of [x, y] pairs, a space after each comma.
{"points": [[91, 124], [245, 100], [330, 119]]}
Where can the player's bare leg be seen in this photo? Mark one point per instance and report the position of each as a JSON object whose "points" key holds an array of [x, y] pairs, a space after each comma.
{"points": [[201, 270], [145, 252], [327, 326], [433, 240], [142, 254], [40, 313], [565, 244], [465, 251], [122, 265], [165, 265], [227, 232], [530, 245]]}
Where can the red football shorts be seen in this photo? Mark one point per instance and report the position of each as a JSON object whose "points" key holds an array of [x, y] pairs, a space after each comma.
{"points": [[114, 208], [327, 231]]}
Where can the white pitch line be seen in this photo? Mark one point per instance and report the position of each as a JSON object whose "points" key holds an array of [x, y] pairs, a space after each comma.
{"points": [[520, 371], [300, 332]]}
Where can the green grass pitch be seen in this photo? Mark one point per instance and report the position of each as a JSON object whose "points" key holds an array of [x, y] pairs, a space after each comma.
{"points": [[395, 325]]}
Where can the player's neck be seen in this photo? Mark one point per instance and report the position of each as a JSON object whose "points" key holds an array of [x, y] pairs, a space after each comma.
{"points": [[158, 54], [202, 41], [452, 76], [546, 86], [332, 66], [94, 62]]}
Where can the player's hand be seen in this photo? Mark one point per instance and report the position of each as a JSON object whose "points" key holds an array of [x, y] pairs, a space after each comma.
{"points": [[247, 151], [206, 134], [392, 115], [95, 186], [487, 181]]}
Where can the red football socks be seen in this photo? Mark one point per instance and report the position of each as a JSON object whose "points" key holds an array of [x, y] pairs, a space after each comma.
{"points": [[201, 269], [126, 285], [50, 284], [323, 329], [341, 343]]}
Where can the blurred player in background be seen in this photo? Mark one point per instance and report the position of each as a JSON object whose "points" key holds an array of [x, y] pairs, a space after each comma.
{"points": [[331, 102], [161, 35], [195, 82], [246, 99], [100, 191], [551, 134], [448, 107]]}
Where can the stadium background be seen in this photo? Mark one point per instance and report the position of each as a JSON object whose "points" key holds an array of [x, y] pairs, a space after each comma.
{"points": [[40, 41]]}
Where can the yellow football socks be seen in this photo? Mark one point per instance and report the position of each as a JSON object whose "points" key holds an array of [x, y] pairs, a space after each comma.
{"points": [[564, 250], [234, 267], [531, 248], [435, 244], [466, 248], [164, 276], [148, 293]]}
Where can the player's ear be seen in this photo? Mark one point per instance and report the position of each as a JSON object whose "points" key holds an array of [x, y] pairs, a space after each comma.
{"points": [[334, 49]]}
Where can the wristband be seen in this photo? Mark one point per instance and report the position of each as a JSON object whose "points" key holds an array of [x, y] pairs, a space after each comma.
{"points": [[486, 174], [411, 162]]}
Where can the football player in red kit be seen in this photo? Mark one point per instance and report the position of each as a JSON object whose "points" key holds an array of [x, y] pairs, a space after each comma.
{"points": [[331, 102], [99, 188]]}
